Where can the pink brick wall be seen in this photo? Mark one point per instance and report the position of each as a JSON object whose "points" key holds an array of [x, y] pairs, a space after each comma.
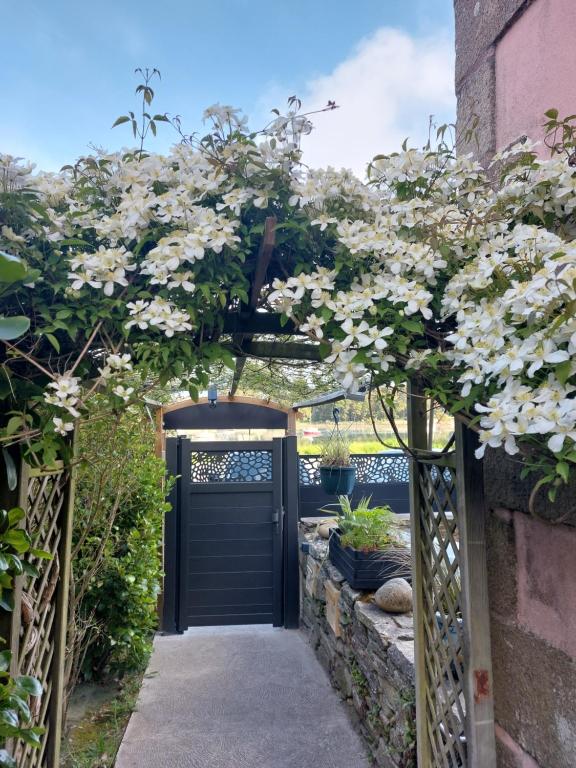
{"points": [[535, 70]]}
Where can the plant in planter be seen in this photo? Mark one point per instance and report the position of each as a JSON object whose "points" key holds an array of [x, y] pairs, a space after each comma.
{"points": [[367, 547], [337, 474]]}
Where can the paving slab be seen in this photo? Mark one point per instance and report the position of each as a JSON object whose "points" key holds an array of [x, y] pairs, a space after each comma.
{"points": [[238, 697]]}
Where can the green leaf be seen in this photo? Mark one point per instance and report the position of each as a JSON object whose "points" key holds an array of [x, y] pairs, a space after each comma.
{"points": [[563, 469], [41, 554], [5, 659], [53, 340], [563, 371], [32, 736], [14, 425], [30, 569], [12, 268], [13, 327], [552, 114], [11, 471], [7, 600], [15, 515], [18, 539], [30, 685], [120, 120], [9, 717]]}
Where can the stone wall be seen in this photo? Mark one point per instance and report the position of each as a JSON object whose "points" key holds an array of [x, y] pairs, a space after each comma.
{"points": [[514, 60], [368, 654], [532, 592]]}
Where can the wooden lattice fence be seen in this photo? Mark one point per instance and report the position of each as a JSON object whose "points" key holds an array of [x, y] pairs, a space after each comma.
{"points": [[38, 624], [454, 696]]}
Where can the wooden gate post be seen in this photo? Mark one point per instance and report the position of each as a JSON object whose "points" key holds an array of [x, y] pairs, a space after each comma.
{"points": [[481, 747], [418, 438]]}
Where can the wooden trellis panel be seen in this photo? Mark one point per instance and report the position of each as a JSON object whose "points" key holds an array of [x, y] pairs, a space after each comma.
{"points": [[454, 706], [39, 622]]}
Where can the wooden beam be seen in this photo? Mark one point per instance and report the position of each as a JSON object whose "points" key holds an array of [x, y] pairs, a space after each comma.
{"points": [[258, 323], [263, 260], [278, 350]]}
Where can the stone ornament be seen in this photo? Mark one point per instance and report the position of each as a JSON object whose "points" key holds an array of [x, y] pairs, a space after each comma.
{"points": [[395, 596]]}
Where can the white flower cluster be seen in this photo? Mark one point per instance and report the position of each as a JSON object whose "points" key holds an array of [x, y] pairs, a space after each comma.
{"points": [[64, 393], [158, 313], [428, 267], [103, 269], [115, 364], [207, 230], [509, 296]]}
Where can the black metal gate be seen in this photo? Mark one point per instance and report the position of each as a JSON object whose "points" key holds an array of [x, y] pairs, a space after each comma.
{"points": [[230, 535]]}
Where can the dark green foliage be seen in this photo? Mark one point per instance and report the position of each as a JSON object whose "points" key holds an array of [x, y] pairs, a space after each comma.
{"points": [[364, 527], [16, 546], [120, 506]]}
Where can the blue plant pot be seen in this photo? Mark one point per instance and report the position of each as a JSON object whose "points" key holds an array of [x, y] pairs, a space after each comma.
{"points": [[338, 481]]}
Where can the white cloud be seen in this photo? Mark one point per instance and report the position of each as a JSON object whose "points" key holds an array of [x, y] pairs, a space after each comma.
{"points": [[386, 91]]}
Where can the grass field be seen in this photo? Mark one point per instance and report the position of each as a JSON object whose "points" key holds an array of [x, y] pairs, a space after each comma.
{"points": [[361, 439]]}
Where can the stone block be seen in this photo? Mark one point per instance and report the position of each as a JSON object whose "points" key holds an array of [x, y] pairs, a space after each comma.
{"points": [[477, 104], [501, 563], [505, 489], [383, 757], [358, 702], [333, 573], [534, 695], [324, 654], [405, 621], [509, 754], [479, 24], [360, 634], [332, 594], [314, 583], [401, 654], [349, 595], [342, 678]]}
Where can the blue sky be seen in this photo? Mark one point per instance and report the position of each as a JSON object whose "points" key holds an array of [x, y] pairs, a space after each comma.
{"points": [[68, 69]]}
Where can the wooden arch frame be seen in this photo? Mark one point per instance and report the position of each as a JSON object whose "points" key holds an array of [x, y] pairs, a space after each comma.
{"points": [[253, 404]]}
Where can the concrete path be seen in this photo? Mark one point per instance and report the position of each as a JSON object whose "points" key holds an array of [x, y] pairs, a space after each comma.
{"points": [[238, 697]]}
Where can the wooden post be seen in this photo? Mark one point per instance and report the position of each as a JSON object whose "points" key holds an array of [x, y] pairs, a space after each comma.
{"points": [[291, 559], [57, 671], [418, 439], [479, 691]]}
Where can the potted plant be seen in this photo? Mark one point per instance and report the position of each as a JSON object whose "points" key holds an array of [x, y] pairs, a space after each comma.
{"points": [[337, 474], [367, 547]]}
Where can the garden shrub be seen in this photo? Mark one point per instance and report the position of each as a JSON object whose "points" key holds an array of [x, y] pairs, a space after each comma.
{"points": [[120, 505]]}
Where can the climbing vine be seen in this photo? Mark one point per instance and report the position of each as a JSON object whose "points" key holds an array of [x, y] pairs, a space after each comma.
{"points": [[121, 268]]}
